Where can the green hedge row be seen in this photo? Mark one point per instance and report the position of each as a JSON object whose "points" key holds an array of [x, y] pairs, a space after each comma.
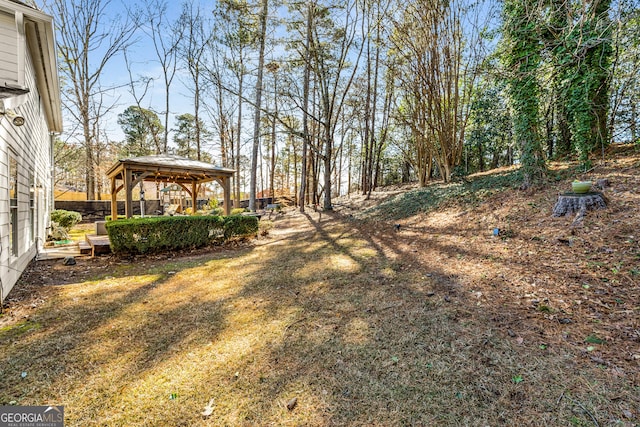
{"points": [[166, 233]]}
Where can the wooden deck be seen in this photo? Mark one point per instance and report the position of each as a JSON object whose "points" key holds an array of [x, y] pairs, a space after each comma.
{"points": [[93, 245], [100, 245], [58, 252]]}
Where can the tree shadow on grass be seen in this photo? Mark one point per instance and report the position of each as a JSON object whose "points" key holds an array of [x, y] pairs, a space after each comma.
{"points": [[370, 346], [349, 324], [103, 338]]}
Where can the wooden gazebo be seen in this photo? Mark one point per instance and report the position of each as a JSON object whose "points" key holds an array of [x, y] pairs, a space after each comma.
{"points": [[189, 174]]}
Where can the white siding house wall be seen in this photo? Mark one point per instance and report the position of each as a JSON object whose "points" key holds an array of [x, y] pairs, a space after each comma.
{"points": [[30, 144], [8, 49]]}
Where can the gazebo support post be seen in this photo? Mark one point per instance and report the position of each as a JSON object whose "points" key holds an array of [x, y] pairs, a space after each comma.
{"points": [[194, 197], [128, 204], [226, 188], [114, 199]]}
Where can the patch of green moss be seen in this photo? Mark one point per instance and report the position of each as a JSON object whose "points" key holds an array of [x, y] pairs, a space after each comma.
{"points": [[19, 329]]}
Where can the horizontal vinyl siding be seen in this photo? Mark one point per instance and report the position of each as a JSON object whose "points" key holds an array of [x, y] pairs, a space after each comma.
{"points": [[31, 145], [8, 49]]}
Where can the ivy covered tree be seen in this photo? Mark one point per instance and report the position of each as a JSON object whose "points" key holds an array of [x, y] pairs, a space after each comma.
{"points": [[588, 41], [560, 140], [522, 58]]}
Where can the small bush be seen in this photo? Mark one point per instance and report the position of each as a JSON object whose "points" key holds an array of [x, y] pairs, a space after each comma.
{"points": [[66, 219], [159, 234], [237, 211], [58, 233], [216, 211]]}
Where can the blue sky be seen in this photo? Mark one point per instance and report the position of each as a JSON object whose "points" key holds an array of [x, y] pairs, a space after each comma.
{"points": [[143, 62]]}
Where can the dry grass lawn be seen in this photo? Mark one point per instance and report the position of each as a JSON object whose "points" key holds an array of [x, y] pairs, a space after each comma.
{"points": [[438, 324]]}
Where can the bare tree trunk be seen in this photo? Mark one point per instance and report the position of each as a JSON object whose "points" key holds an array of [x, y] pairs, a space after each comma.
{"points": [[295, 176], [376, 143], [328, 156], [238, 140], [314, 165], [273, 137], [196, 110], [340, 160], [305, 102], [633, 126], [223, 130], [383, 133], [258, 106], [366, 139], [349, 169], [90, 172]]}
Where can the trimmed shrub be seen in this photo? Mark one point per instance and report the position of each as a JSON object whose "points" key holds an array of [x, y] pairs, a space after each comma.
{"points": [[160, 234], [240, 226], [65, 219]]}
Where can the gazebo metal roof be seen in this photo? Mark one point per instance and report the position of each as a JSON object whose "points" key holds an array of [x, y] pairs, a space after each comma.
{"points": [[187, 173]]}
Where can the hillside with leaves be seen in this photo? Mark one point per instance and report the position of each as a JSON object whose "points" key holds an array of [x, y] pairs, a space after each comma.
{"points": [[571, 278]]}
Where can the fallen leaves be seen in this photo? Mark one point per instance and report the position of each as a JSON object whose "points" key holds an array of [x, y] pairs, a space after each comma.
{"points": [[208, 410], [291, 404]]}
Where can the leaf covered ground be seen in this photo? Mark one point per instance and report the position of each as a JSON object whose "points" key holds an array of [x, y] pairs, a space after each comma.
{"points": [[404, 309]]}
